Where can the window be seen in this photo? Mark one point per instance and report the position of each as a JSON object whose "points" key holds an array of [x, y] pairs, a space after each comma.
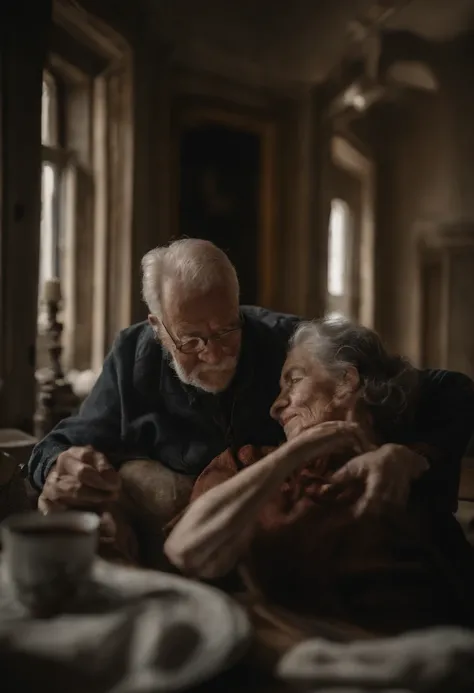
{"points": [[49, 111], [49, 229], [337, 248], [52, 155], [67, 193], [87, 184], [339, 245]]}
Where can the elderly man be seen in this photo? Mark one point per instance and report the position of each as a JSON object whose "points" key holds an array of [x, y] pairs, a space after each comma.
{"points": [[200, 377]]}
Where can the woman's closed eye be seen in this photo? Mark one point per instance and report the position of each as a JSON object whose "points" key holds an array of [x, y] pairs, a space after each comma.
{"points": [[296, 375]]}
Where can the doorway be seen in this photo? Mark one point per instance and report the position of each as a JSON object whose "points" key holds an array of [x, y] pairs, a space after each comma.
{"points": [[219, 195]]}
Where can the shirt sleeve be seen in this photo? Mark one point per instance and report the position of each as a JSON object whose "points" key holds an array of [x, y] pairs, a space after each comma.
{"points": [[98, 424], [444, 425]]}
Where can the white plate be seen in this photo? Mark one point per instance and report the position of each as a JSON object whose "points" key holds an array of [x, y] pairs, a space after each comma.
{"points": [[223, 626]]}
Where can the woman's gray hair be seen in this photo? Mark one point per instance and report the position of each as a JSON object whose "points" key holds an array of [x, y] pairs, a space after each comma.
{"points": [[388, 383]]}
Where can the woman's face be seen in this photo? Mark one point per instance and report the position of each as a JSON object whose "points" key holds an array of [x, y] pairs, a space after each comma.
{"points": [[309, 394]]}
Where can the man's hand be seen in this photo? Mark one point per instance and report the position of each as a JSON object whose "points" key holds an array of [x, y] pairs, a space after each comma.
{"points": [[81, 478], [388, 473]]}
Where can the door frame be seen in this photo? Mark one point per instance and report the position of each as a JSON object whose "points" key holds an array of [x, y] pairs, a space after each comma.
{"points": [[193, 116], [346, 156]]}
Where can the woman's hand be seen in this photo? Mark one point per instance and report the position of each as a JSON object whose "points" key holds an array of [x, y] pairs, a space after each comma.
{"points": [[214, 532], [388, 473], [328, 438]]}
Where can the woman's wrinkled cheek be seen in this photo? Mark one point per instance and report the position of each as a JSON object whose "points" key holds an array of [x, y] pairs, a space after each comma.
{"points": [[320, 411], [308, 415]]}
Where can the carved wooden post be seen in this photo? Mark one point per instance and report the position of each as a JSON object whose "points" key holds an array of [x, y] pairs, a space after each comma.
{"points": [[55, 400]]}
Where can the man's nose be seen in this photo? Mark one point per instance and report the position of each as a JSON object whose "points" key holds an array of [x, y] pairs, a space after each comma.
{"points": [[213, 352], [278, 406]]}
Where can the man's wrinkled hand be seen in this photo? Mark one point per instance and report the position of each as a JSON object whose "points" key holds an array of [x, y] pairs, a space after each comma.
{"points": [[81, 478], [387, 473]]}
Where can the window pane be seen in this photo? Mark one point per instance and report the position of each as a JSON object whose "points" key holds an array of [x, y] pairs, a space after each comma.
{"points": [[49, 220], [49, 111], [337, 247]]}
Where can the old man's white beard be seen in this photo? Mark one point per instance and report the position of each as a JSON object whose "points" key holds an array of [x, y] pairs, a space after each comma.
{"points": [[228, 365]]}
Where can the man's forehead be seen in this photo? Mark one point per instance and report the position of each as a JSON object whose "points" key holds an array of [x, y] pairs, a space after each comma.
{"points": [[188, 308]]}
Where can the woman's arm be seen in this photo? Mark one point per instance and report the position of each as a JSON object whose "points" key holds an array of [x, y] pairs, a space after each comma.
{"points": [[211, 536]]}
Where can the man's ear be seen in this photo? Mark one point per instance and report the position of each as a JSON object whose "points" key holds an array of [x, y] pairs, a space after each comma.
{"points": [[155, 325]]}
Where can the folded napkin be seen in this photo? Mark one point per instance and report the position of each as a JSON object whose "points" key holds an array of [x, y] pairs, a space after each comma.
{"points": [[439, 660]]}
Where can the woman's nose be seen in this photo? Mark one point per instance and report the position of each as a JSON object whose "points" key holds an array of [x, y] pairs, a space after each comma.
{"points": [[278, 406]]}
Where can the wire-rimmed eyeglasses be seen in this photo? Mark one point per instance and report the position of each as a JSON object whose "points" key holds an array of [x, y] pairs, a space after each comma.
{"points": [[194, 345]]}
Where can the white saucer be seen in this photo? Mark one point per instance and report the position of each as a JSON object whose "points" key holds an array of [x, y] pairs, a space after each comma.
{"points": [[223, 627]]}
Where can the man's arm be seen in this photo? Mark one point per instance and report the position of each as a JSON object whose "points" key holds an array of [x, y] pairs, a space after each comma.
{"points": [[97, 424], [444, 425]]}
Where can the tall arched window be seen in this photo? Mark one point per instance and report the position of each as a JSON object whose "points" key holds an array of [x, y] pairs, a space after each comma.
{"points": [[339, 247]]}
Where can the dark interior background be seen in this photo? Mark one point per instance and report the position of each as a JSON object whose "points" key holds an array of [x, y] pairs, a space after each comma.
{"points": [[219, 196]]}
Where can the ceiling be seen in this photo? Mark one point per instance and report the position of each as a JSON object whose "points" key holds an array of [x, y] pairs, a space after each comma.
{"points": [[285, 41], [438, 20]]}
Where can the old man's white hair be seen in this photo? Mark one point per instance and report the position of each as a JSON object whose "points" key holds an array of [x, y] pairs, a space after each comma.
{"points": [[193, 263]]}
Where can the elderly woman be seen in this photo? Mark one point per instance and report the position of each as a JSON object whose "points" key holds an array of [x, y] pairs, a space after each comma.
{"points": [[292, 516]]}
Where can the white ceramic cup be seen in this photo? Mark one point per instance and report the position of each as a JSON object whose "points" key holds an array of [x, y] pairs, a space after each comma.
{"points": [[48, 558]]}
